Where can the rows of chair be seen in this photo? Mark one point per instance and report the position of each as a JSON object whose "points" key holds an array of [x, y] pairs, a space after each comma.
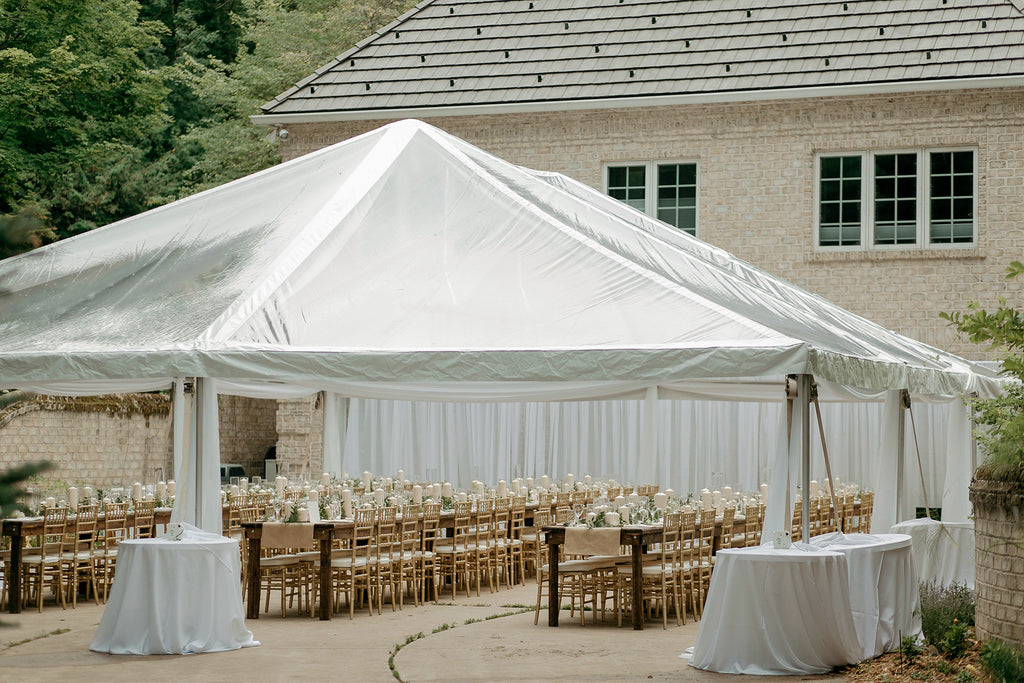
{"points": [[77, 551]]}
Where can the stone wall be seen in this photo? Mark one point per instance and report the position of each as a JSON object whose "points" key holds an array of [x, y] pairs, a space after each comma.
{"points": [[300, 436], [999, 561], [756, 195], [113, 440]]}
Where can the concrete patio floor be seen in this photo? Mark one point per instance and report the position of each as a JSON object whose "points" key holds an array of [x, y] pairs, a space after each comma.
{"points": [[453, 642]]}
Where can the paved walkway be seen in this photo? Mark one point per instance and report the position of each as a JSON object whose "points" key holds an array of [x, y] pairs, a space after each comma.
{"points": [[459, 643]]}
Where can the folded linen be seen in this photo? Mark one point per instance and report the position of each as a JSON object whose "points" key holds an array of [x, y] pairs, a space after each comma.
{"points": [[585, 541]]}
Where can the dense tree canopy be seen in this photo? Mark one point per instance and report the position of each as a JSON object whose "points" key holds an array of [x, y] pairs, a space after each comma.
{"points": [[109, 107]]}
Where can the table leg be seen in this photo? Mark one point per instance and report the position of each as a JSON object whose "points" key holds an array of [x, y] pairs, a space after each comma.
{"points": [[252, 570], [326, 592], [554, 604], [636, 553], [13, 572]]}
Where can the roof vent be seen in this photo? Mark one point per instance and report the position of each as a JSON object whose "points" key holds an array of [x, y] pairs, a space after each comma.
{"points": [[567, 26], [881, 31], [451, 83], [631, 73], [352, 63], [451, 10], [984, 24], [728, 67], [784, 39], [826, 61], [927, 55], [396, 35], [531, 5], [422, 59], [654, 20], [367, 86], [748, 14], [597, 48], [312, 89], [539, 78], [687, 43], [846, 6], [478, 31], [506, 54]]}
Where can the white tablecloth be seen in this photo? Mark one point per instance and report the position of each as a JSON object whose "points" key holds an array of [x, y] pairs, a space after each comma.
{"points": [[884, 595], [175, 597], [777, 612], [943, 551]]}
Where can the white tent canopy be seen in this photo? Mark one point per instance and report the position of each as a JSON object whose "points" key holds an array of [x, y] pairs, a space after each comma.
{"points": [[406, 263]]}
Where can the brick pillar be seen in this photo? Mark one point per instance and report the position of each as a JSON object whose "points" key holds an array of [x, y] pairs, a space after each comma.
{"points": [[300, 435], [999, 560]]}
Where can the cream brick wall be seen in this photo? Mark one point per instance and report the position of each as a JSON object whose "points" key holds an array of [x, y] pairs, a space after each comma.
{"points": [[757, 185], [104, 448], [300, 436]]}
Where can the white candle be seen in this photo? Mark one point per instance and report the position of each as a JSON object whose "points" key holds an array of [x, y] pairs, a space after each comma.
{"points": [[463, 497], [279, 482], [136, 491], [705, 499], [545, 481], [286, 510], [172, 487], [764, 492], [660, 501], [346, 502], [303, 514], [417, 494], [814, 488], [243, 483], [87, 493], [73, 497], [587, 479], [400, 476], [570, 481], [378, 497], [620, 501], [624, 514], [529, 482], [479, 488], [367, 481], [502, 488], [727, 492], [314, 496], [388, 484], [325, 479], [835, 483], [716, 498], [633, 498], [670, 493], [161, 490], [611, 518], [234, 489]]}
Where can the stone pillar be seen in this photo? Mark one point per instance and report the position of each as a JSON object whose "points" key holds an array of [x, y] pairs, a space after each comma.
{"points": [[300, 436], [999, 560]]}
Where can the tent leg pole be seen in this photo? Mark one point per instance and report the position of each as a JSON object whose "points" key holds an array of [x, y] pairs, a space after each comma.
{"points": [[804, 398], [901, 448]]}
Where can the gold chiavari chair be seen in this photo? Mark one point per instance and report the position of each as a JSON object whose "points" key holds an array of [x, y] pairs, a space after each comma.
{"points": [[410, 541], [79, 559], [454, 554], [795, 528], [867, 508], [114, 529], [531, 541], [350, 563], [484, 545], [516, 545], [45, 563], [503, 540], [728, 518], [425, 556], [382, 557], [688, 570], [145, 519], [705, 547], [849, 523]]}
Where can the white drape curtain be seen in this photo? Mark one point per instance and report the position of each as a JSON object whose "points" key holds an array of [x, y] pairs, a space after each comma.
{"points": [[699, 443]]}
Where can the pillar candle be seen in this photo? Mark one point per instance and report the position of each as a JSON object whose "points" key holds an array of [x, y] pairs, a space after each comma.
{"points": [[624, 514], [73, 497], [705, 499], [172, 487], [670, 493], [325, 479], [502, 488], [346, 502], [587, 479], [378, 497], [570, 481], [764, 492], [480, 488], [611, 518], [633, 498], [727, 492], [161, 490], [303, 514], [388, 484], [87, 493], [400, 476], [367, 481], [463, 497], [136, 491], [814, 488], [545, 481], [314, 496], [716, 498], [417, 494], [529, 482], [660, 501], [619, 501], [835, 484], [234, 489], [243, 484]]}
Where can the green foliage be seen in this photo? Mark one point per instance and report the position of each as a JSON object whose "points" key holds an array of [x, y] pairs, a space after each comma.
{"points": [[910, 650], [10, 486], [1001, 662], [110, 108], [947, 615], [964, 677], [1001, 420]]}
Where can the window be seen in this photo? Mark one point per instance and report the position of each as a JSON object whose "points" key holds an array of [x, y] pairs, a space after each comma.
{"points": [[667, 191], [895, 193]]}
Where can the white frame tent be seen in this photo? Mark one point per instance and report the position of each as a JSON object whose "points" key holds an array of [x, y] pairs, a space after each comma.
{"points": [[406, 263]]}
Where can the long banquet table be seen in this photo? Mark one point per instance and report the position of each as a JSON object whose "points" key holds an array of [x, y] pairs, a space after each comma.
{"points": [[19, 529]]}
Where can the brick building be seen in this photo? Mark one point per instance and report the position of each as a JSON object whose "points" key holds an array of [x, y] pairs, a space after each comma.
{"points": [[871, 151]]}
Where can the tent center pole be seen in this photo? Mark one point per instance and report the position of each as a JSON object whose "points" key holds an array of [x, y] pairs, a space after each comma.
{"points": [[804, 406]]}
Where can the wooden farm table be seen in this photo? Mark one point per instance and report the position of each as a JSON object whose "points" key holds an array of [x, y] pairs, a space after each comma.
{"points": [[18, 529], [324, 533], [637, 538]]}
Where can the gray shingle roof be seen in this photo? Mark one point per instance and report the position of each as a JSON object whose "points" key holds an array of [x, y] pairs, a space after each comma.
{"points": [[453, 53]]}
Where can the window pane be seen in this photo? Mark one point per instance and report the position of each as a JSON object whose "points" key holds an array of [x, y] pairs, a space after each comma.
{"points": [[952, 197], [677, 195], [839, 205], [621, 185], [637, 175], [616, 176], [895, 193]]}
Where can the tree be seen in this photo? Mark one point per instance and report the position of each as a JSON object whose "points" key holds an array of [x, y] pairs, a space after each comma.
{"points": [[1002, 418]]}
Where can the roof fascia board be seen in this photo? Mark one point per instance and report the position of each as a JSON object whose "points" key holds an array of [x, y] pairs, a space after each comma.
{"points": [[1016, 81]]}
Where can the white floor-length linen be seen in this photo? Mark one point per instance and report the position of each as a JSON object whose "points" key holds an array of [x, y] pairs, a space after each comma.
{"points": [[777, 612], [884, 596], [943, 551], [175, 597]]}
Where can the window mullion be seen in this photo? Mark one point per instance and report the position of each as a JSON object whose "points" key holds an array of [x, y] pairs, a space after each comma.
{"points": [[867, 200]]}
